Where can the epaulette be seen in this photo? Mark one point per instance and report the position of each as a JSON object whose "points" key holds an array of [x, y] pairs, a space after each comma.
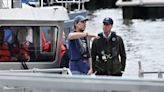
{"points": [[113, 37]]}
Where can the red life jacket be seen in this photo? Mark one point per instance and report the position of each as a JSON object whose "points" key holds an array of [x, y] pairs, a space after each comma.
{"points": [[5, 54], [63, 49]]}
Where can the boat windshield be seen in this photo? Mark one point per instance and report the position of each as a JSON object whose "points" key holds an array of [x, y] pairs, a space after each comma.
{"points": [[28, 43]]}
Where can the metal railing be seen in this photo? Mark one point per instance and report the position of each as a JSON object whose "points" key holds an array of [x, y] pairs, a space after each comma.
{"points": [[45, 82], [79, 2], [64, 71], [141, 72], [65, 3], [146, 3], [4, 4]]}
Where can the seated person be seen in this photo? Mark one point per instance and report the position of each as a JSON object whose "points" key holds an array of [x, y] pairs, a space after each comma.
{"points": [[20, 52], [4, 48], [64, 53], [20, 46]]}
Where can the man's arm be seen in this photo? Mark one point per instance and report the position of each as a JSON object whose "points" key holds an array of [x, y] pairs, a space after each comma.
{"points": [[90, 67], [77, 35], [122, 54], [93, 54]]}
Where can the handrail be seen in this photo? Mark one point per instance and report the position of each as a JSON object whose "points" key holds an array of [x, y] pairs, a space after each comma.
{"points": [[64, 71], [122, 3], [79, 2], [38, 82], [65, 3], [72, 1], [142, 72]]}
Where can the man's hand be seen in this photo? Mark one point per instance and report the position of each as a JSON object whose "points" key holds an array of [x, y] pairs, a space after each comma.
{"points": [[89, 72]]}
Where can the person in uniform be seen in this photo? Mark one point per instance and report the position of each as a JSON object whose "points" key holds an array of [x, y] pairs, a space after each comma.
{"points": [[108, 52]]}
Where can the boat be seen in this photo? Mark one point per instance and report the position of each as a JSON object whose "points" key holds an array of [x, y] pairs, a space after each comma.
{"points": [[25, 27], [141, 9], [72, 11], [38, 24], [37, 28]]}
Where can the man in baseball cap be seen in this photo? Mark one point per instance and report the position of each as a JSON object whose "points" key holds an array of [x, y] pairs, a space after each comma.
{"points": [[79, 47], [110, 51], [80, 18]]}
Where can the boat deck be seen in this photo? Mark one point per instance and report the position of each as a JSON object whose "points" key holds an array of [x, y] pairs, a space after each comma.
{"points": [[45, 82], [145, 3]]}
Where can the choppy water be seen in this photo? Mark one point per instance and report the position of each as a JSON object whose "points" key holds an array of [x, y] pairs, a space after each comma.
{"points": [[143, 39]]}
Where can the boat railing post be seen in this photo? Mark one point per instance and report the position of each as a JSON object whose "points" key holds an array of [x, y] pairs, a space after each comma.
{"points": [[49, 2], [79, 4], [83, 7], [7, 4], [16, 4], [41, 3], [1, 4], [65, 4], [62, 4], [160, 74], [64, 71], [140, 72]]}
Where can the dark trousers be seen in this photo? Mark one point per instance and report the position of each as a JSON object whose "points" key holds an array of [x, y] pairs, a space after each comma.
{"points": [[118, 74]]}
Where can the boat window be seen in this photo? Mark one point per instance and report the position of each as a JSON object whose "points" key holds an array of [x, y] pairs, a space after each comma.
{"points": [[47, 37], [28, 43]]}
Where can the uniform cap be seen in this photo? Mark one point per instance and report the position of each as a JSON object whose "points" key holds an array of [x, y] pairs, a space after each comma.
{"points": [[108, 20]]}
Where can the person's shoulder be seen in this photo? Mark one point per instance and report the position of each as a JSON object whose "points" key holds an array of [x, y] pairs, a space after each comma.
{"points": [[114, 34], [95, 40], [100, 35], [119, 38]]}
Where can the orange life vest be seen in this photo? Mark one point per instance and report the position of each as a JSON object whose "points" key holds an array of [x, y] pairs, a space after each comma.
{"points": [[46, 45], [5, 54], [43, 39]]}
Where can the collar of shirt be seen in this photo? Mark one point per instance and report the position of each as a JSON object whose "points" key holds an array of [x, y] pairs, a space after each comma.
{"points": [[105, 35]]}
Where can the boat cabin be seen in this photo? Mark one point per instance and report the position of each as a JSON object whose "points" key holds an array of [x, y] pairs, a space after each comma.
{"points": [[31, 37]]}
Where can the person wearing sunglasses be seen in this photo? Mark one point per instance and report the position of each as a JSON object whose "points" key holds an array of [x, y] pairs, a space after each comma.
{"points": [[79, 47]]}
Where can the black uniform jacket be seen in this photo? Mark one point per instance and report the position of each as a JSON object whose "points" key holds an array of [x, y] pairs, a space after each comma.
{"points": [[114, 51]]}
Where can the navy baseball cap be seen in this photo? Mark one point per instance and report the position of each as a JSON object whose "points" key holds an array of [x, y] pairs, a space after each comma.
{"points": [[80, 18], [108, 20]]}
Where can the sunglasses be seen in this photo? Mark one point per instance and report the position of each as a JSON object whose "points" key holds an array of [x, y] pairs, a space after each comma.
{"points": [[83, 21]]}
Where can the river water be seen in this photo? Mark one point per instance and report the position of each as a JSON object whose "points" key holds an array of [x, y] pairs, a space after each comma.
{"points": [[143, 39]]}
